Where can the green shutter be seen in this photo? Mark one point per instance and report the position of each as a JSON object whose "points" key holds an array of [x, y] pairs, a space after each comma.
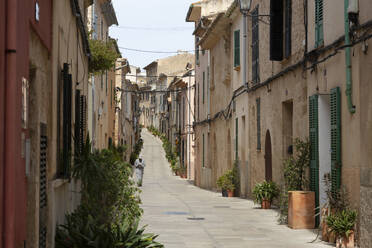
{"points": [[335, 105], [203, 161], [236, 48], [319, 34], [314, 150], [236, 138], [258, 106]]}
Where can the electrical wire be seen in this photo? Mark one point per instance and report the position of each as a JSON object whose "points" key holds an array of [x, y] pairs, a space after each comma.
{"points": [[154, 28], [152, 51]]}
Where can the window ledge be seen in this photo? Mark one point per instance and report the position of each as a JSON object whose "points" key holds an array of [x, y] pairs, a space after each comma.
{"points": [[237, 68], [59, 182]]}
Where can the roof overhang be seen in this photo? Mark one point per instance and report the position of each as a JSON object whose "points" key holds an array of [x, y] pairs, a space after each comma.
{"points": [[147, 67], [194, 13], [109, 13], [216, 30]]}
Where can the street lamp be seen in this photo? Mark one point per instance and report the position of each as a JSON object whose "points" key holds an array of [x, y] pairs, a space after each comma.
{"points": [[245, 6]]}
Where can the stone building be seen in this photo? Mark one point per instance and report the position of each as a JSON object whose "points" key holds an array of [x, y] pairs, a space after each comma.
{"points": [[101, 16], [180, 113], [159, 75], [213, 139], [304, 80]]}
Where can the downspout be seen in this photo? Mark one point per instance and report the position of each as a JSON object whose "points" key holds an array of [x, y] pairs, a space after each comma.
{"points": [[11, 129], [349, 81]]}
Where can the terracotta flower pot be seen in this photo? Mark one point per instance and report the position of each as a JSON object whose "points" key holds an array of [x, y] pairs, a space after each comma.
{"points": [[325, 234], [230, 193], [345, 242], [331, 237], [301, 209], [265, 204]]}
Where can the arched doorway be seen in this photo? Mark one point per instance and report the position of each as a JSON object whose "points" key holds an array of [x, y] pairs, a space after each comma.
{"points": [[268, 158]]}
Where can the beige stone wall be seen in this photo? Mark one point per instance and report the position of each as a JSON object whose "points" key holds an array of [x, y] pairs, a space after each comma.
{"points": [[39, 99]]}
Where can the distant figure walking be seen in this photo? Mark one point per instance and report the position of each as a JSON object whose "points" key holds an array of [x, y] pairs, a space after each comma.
{"points": [[139, 164]]}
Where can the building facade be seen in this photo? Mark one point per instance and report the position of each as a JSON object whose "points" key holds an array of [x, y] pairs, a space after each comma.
{"points": [[307, 73]]}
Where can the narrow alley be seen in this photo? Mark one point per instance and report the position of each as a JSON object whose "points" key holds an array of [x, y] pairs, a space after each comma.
{"points": [[186, 216]]}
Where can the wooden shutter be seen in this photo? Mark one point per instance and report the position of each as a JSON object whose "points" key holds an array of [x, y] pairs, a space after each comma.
{"points": [[314, 149], [43, 199], [83, 119], [203, 87], [288, 28], [255, 47], [77, 136], [335, 106], [236, 48], [236, 139], [67, 96], [276, 30], [203, 159], [319, 34], [258, 106]]}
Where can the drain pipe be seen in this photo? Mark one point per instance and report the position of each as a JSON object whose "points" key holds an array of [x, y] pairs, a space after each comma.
{"points": [[349, 80]]}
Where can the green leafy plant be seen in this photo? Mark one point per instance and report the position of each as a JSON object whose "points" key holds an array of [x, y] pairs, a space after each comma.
{"points": [[296, 166], [265, 191], [103, 56], [283, 206], [342, 223], [226, 181], [136, 151], [108, 193], [83, 231]]}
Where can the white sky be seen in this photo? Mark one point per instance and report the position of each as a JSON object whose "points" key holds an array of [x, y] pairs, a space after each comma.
{"points": [[160, 14]]}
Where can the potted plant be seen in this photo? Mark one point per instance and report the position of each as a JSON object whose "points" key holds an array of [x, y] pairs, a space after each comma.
{"points": [[301, 201], [183, 172], [226, 183], [342, 224], [264, 193]]}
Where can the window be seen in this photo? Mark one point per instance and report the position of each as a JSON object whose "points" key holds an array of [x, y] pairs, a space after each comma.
{"points": [[106, 82], [280, 33], [319, 23], [111, 92], [258, 110], [255, 47], [236, 48], [288, 28], [203, 87], [197, 50], [198, 86]]}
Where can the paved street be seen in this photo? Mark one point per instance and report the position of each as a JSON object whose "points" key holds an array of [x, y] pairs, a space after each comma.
{"points": [[169, 202]]}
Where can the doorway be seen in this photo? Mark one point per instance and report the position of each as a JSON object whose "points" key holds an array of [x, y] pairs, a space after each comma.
{"points": [[268, 158]]}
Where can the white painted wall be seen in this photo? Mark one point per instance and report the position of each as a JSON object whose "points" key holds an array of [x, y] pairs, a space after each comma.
{"points": [[324, 144]]}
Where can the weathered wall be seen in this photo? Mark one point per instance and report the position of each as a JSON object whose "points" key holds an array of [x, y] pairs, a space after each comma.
{"points": [[365, 145], [39, 99]]}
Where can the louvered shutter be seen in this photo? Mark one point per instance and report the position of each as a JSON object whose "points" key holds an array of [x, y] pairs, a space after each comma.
{"points": [[258, 106], [236, 48], [314, 149], [236, 139], [335, 105], [77, 135], [83, 119], [276, 30], [255, 47], [67, 97], [43, 187], [319, 23], [288, 28]]}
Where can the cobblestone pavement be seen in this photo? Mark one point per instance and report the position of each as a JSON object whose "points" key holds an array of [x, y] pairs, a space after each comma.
{"points": [[186, 216]]}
